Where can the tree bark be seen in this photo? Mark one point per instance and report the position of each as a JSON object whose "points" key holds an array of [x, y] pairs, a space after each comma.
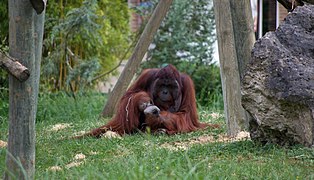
{"points": [[137, 56], [228, 41], [244, 37], [13, 67], [243, 29], [25, 41]]}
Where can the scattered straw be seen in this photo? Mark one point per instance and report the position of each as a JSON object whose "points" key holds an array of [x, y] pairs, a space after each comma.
{"points": [[3, 144], [60, 126], [176, 146], [111, 134], [55, 168], [79, 156], [74, 164], [93, 153], [215, 115], [77, 161], [79, 133]]}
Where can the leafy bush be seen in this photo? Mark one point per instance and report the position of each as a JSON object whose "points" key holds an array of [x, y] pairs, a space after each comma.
{"points": [[88, 40], [4, 104], [185, 40], [4, 24], [80, 36], [4, 28]]}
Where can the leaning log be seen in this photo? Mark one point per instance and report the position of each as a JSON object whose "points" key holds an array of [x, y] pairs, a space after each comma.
{"points": [[135, 60], [13, 67]]}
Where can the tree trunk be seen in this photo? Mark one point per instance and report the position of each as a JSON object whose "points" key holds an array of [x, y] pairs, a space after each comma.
{"points": [[25, 40], [137, 56], [232, 57]]}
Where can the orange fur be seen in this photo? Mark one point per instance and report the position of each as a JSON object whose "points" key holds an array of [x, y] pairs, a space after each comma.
{"points": [[130, 118]]}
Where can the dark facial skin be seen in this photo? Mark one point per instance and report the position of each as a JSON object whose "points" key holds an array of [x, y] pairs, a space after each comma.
{"points": [[166, 92]]}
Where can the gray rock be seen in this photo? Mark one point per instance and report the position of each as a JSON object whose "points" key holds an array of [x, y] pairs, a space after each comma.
{"points": [[278, 87]]}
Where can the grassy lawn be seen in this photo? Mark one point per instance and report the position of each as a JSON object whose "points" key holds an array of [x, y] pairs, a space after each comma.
{"points": [[197, 155]]}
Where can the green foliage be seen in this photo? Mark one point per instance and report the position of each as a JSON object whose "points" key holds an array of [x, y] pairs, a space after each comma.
{"points": [[145, 156], [4, 104], [84, 72], [79, 36], [207, 83], [4, 29], [88, 40], [4, 79], [185, 40], [4, 24]]}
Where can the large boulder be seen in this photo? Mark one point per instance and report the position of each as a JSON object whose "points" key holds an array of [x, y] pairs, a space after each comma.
{"points": [[278, 87]]}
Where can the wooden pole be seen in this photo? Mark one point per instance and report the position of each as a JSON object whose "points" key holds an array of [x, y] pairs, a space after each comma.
{"points": [[244, 38], [228, 41], [243, 29], [25, 41], [137, 56]]}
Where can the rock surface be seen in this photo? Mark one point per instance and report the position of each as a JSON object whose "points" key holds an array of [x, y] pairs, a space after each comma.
{"points": [[278, 87]]}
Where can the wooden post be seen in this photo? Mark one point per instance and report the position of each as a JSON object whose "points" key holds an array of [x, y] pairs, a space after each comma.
{"points": [[244, 37], [243, 29], [25, 41], [137, 56], [232, 58]]}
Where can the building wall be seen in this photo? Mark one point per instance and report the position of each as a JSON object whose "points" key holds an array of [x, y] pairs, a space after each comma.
{"points": [[135, 19], [269, 19], [282, 12]]}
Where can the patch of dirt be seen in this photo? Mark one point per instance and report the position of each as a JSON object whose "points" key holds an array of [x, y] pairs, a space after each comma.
{"points": [[176, 146], [3, 144], [60, 126]]}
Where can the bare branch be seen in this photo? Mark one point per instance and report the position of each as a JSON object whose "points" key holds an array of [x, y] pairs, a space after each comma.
{"points": [[13, 67], [121, 59], [136, 58]]}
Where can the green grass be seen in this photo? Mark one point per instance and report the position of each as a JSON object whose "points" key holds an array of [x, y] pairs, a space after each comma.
{"points": [[145, 156]]}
